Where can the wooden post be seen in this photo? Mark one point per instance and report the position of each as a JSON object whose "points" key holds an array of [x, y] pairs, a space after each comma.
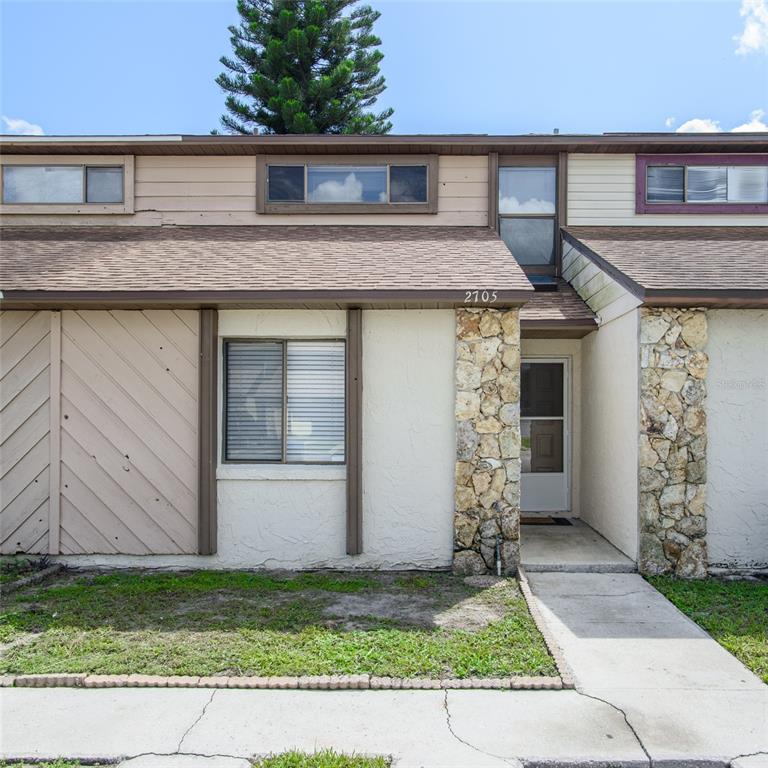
{"points": [[208, 432], [354, 434]]}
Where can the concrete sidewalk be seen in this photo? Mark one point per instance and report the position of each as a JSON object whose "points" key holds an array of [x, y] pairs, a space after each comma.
{"points": [[651, 685]]}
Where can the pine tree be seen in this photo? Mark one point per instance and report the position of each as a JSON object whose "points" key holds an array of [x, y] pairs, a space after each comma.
{"points": [[303, 66]]}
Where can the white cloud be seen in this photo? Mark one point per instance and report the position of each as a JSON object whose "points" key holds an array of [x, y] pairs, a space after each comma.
{"points": [[755, 124], [332, 191], [22, 127], [670, 121], [532, 205], [754, 36], [699, 125]]}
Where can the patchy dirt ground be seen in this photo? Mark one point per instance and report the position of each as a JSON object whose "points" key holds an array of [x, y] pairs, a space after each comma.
{"points": [[451, 608]]}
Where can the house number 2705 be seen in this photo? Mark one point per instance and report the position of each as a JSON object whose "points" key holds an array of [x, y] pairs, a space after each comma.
{"points": [[475, 297]]}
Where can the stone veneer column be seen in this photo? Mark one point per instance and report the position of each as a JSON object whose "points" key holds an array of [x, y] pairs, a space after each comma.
{"points": [[487, 510], [673, 442]]}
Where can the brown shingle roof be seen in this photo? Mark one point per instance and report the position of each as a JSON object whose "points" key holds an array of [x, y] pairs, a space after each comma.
{"points": [[563, 306], [686, 259], [261, 261]]}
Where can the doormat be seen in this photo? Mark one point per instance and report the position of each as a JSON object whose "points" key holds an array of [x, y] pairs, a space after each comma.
{"points": [[544, 520]]}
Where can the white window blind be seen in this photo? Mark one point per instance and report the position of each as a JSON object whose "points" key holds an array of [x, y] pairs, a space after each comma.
{"points": [[254, 419], [285, 401], [315, 401]]}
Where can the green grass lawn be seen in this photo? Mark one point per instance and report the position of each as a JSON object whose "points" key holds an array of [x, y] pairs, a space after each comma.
{"points": [[735, 613], [239, 623], [324, 759], [60, 763]]}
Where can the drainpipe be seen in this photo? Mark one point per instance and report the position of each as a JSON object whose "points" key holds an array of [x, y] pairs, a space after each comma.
{"points": [[498, 554]]}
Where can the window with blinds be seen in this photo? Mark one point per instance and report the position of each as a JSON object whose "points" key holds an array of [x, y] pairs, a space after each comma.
{"points": [[284, 401]]}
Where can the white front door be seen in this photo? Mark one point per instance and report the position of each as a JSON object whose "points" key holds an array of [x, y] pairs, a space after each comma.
{"points": [[544, 431]]}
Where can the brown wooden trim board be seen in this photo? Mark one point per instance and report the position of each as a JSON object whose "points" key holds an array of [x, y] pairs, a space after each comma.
{"points": [[208, 432], [54, 468], [354, 431]]}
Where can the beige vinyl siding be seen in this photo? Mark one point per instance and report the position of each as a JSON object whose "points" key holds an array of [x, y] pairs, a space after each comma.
{"points": [[222, 190], [129, 432], [602, 294], [98, 431], [24, 431], [601, 192]]}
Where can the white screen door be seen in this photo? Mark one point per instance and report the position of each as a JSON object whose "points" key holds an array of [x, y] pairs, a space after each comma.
{"points": [[544, 431]]}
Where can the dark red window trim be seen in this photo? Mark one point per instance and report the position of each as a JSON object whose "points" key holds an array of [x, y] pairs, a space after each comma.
{"points": [[643, 206]]}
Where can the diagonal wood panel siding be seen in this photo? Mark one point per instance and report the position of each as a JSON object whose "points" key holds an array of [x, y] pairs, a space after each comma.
{"points": [[24, 431], [129, 425]]}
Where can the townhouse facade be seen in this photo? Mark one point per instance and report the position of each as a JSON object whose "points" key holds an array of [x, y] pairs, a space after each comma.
{"points": [[351, 351]]}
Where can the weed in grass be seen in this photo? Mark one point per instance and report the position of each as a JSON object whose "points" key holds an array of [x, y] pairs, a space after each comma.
{"points": [[323, 759], [13, 567]]}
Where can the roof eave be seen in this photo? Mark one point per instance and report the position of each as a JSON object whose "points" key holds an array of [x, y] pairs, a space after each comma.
{"points": [[713, 299], [244, 299], [460, 143]]}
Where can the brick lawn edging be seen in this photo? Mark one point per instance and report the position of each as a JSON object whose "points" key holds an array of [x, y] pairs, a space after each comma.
{"points": [[306, 682], [564, 670]]}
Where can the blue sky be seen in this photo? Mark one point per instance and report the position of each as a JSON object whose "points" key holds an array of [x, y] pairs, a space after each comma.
{"points": [[451, 67]]}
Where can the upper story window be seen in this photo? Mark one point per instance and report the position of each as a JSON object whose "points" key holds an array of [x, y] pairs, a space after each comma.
{"points": [[68, 184], [32, 184], [702, 184], [383, 186], [527, 210]]}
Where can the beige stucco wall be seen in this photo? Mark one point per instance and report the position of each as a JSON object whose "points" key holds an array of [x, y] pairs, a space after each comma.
{"points": [[737, 452], [609, 418], [601, 191], [222, 190], [570, 349]]}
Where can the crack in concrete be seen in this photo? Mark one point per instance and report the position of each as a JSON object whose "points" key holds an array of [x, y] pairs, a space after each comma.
{"points": [[197, 720], [212, 756], [750, 754], [506, 760], [626, 720]]}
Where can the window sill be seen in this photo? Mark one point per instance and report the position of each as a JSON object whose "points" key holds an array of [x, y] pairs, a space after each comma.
{"points": [[86, 209], [347, 208], [281, 472]]}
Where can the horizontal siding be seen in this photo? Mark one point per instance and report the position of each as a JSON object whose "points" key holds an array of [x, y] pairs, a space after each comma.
{"points": [[222, 190], [601, 192]]}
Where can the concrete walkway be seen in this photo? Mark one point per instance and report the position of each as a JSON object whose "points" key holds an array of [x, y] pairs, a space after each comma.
{"points": [[574, 548], [683, 695], [651, 685]]}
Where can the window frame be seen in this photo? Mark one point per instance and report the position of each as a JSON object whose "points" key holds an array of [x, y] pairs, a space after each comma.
{"points": [[264, 206], [126, 162], [555, 162], [282, 462], [643, 207]]}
